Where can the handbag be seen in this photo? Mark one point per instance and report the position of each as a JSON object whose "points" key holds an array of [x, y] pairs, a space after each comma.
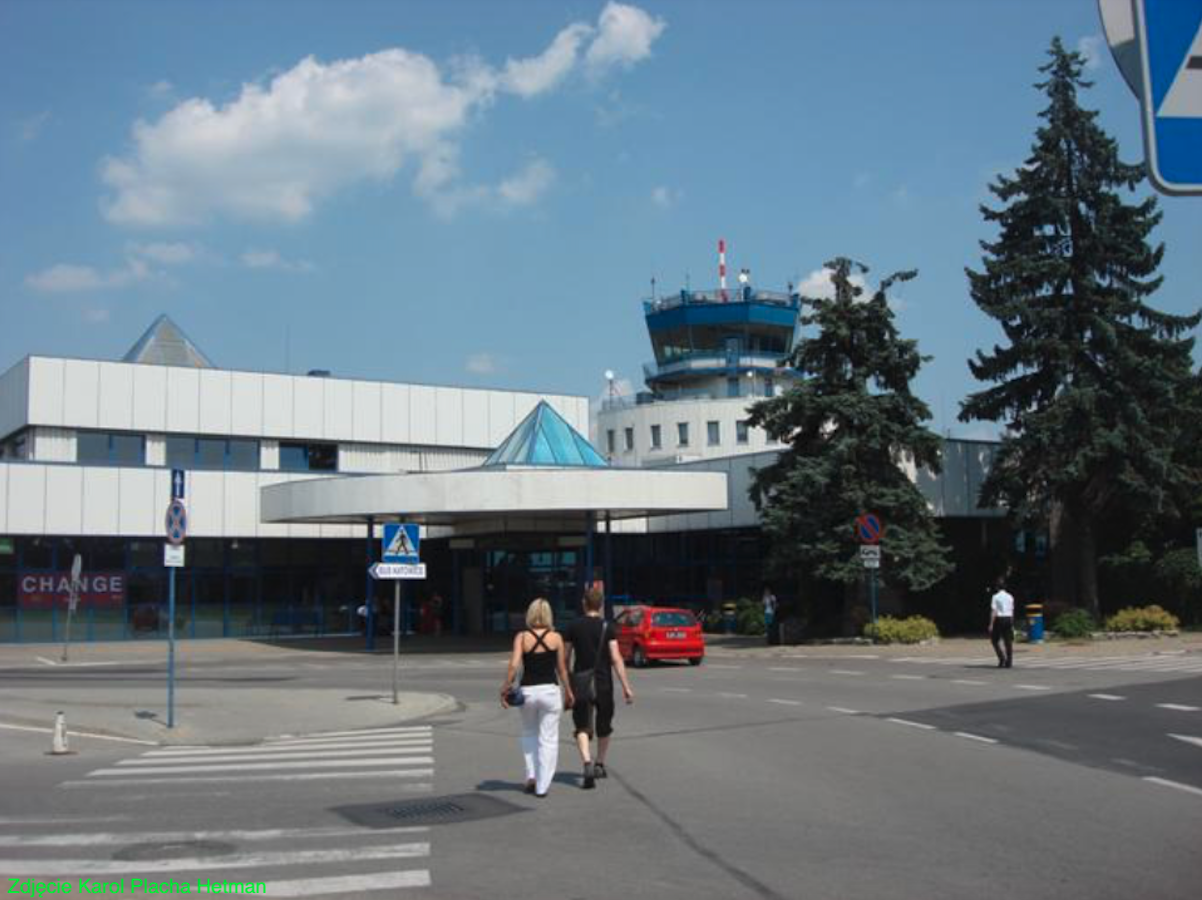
{"points": [[514, 696], [584, 684]]}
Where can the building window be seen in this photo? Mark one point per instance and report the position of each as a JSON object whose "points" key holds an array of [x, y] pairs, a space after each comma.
{"points": [[713, 434], [609, 441], [682, 434], [656, 440], [212, 453], [732, 387], [107, 448], [15, 448], [742, 431], [629, 436], [299, 457]]}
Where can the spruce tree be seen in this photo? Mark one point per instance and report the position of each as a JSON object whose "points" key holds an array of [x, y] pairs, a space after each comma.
{"points": [[851, 427], [1093, 384]]}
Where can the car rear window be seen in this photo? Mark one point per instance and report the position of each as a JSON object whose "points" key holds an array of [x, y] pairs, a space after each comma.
{"points": [[673, 619]]}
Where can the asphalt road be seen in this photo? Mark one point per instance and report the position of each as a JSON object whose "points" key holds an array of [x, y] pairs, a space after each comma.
{"points": [[824, 776]]}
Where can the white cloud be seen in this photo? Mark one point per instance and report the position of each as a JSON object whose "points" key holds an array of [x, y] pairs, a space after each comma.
{"points": [[665, 197], [625, 35], [1091, 47], [31, 128], [281, 147], [481, 364], [169, 254], [529, 77], [271, 259], [527, 185], [819, 286], [68, 278]]}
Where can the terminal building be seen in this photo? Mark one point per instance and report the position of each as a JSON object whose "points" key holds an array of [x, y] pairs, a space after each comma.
{"points": [[288, 478]]}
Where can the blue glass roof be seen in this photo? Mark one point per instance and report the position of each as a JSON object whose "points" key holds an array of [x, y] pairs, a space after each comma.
{"points": [[543, 438]]}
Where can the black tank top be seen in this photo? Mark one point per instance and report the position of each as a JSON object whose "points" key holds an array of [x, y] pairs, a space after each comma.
{"points": [[538, 666]]}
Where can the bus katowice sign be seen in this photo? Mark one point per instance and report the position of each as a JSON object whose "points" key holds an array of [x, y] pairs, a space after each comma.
{"points": [[46, 590]]}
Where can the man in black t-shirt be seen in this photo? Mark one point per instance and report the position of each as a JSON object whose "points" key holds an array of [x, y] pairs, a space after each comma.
{"points": [[584, 637]]}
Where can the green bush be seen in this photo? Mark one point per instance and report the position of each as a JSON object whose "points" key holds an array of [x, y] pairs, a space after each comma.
{"points": [[1142, 618], [1073, 623], [913, 630], [749, 617]]}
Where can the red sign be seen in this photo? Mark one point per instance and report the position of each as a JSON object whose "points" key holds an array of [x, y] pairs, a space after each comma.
{"points": [[45, 590], [869, 528]]}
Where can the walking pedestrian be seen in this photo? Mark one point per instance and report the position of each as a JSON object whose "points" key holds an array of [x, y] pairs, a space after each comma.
{"points": [[595, 660], [539, 652], [1001, 626]]}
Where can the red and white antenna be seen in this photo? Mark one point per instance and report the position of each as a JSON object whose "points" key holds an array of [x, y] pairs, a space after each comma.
{"points": [[722, 267]]}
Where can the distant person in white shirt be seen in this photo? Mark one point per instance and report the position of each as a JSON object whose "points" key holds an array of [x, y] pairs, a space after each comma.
{"points": [[1001, 626]]}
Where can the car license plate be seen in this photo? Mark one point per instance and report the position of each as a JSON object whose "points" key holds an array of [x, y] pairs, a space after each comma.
{"points": [[675, 635]]}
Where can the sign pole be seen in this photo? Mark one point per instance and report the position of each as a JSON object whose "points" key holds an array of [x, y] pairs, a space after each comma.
{"points": [[872, 592], [171, 650], [396, 641], [72, 601]]}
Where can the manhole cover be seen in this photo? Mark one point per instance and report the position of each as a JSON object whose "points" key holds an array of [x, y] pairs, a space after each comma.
{"points": [[173, 850], [429, 811]]}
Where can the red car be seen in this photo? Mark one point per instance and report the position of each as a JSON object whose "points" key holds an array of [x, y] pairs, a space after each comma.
{"points": [[659, 632]]}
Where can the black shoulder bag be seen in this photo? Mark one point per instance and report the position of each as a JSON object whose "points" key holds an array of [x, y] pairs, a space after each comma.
{"points": [[584, 684]]}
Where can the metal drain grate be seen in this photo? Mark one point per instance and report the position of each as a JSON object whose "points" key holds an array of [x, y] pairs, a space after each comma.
{"points": [[429, 811]]}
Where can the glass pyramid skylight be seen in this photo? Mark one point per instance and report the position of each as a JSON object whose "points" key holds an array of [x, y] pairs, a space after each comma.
{"points": [[165, 344], [544, 439]]}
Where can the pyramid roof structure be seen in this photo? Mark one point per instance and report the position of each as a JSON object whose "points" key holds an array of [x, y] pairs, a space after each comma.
{"points": [[165, 344], [544, 438]]}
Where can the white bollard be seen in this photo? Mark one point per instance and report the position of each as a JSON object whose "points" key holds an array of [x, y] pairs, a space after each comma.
{"points": [[60, 736]]}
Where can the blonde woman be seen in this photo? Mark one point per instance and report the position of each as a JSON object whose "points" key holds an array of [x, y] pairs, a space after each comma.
{"points": [[539, 651]]}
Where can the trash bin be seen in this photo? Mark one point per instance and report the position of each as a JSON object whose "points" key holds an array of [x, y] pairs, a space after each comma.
{"points": [[1035, 623], [728, 617]]}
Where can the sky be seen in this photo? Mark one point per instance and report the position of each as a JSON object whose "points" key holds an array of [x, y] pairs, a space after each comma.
{"points": [[480, 192]]}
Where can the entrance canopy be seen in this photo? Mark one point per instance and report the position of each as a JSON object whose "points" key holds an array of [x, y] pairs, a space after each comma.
{"points": [[545, 475]]}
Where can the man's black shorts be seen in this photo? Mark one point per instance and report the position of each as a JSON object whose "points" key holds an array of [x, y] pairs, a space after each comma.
{"points": [[600, 712]]}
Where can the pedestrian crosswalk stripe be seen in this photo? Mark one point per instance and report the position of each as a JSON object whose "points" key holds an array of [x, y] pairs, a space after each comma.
{"points": [[346, 884], [310, 754], [253, 766], [99, 867], [256, 779], [292, 748], [1125, 663], [134, 837], [360, 732]]}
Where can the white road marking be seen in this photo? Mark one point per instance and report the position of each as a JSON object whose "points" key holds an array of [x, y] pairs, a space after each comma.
{"points": [[347, 884], [360, 732], [226, 779], [733, 696], [95, 867], [1189, 739], [921, 725], [717, 666], [976, 737], [1177, 707], [133, 837], [845, 672], [787, 702], [967, 681], [249, 767], [909, 677], [677, 690], [1107, 697], [68, 820], [856, 656], [1188, 788], [1032, 687], [43, 659], [81, 734], [786, 669], [844, 710], [311, 754], [260, 749]]}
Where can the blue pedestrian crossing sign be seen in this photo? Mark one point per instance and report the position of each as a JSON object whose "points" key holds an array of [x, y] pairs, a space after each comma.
{"points": [[402, 543], [1170, 40]]}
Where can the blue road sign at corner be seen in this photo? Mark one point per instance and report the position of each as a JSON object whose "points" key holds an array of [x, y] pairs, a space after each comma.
{"points": [[401, 543], [177, 484], [1170, 41]]}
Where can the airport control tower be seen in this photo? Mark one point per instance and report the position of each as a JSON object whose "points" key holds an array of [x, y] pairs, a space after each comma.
{"points": [[716, 352]]}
